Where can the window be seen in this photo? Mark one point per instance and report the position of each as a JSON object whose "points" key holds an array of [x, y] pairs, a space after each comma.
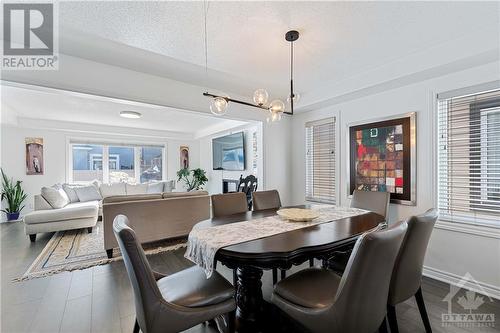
{"points": [[87, 162], [111, 163], [469, 157], [320, 161]]}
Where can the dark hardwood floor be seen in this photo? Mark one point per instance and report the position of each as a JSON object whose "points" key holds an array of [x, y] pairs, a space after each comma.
{"points": [[99, 299]]}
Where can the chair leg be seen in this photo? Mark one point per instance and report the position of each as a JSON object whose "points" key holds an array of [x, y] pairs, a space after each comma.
{"points": [[235, 278], [231, 325], [391, 316], [109, 253], [33, 238], [136, 327], [383, 327], [283, 274], [423, 312], [311, 262], [275, 276], [89, 229]]}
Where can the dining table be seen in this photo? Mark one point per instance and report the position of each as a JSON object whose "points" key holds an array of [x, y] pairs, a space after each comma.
{"points": [[280, 251]]}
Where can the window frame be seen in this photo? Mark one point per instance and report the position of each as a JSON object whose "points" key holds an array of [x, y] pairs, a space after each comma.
{"points": [[476, 225], [106, 143]]}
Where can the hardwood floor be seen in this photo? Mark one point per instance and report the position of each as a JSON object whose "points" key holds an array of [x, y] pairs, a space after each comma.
{"points": [[99, 299]]}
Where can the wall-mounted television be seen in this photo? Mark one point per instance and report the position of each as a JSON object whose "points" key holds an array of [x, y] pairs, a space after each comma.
{"points": [[229, 152]]}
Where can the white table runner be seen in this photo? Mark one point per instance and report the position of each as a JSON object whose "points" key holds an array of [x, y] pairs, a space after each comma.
{"points": [[204, 242]]}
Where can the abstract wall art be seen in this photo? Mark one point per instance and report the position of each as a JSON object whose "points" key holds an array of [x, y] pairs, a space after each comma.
{"points": [[382, 157], [34, 156]]}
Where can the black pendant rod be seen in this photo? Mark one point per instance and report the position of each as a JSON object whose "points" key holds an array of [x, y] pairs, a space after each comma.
{"points": [[236, 101]]}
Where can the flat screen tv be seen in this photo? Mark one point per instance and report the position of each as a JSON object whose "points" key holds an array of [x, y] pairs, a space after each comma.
{"points": [[229, 152]]}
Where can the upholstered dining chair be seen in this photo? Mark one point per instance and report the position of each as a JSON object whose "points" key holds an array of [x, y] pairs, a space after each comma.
{"points": [[407, 275], [377, 202], [263, 200], [322, 301], [229, 204], [175, 302]]}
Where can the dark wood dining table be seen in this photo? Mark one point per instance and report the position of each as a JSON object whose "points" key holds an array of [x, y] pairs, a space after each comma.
{"points": [[280, 251]]}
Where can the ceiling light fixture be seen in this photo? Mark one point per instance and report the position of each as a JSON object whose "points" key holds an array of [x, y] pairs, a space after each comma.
{"points": [[130, 114], [276, 108]]}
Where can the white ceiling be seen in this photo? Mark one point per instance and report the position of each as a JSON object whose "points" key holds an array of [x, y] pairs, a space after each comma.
{"points": [[57, 106], [246, 47]]}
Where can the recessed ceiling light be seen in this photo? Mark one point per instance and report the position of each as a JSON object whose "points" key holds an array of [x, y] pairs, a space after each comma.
{"points": [[130, 114]]}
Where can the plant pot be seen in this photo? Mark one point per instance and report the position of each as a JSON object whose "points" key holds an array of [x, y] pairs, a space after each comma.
{"points": [[12, 216]]}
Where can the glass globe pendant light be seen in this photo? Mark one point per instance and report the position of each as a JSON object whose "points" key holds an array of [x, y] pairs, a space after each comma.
{"points": [[219, 106], [296, 98], [260, 97], [276, 108]]}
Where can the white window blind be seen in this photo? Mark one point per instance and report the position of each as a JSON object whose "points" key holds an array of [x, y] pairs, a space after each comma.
{"points": [[320, 161], [469, 157]]}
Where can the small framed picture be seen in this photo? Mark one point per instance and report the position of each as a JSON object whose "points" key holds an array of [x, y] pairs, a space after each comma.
{"points": [[34, 156]]}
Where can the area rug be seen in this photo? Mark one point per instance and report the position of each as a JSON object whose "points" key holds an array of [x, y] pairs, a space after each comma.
{"points": [[77, 249]]}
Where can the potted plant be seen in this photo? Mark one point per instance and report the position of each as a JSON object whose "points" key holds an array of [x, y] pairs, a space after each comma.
{"points": [[14, 194], [194, 179]]}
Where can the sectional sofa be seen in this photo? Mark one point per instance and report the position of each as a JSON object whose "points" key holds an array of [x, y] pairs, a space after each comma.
{"points": [[74, 206]]}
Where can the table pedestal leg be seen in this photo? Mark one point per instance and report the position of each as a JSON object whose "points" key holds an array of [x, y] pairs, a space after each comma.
{"points": [[249, 300]]}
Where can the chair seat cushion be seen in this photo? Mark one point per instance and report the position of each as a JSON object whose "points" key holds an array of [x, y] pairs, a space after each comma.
{"points": [[191, 288], [310, 288], [77, 210]]}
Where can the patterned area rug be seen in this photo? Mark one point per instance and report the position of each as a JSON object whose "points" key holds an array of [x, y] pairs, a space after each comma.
{"points": [[77, 249]]}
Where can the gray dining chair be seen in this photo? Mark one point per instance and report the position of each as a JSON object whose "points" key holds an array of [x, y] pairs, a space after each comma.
{"points": [[322, 301], [263, 200], [407, 274], [175, 302], [229, 204], [377, 202]]}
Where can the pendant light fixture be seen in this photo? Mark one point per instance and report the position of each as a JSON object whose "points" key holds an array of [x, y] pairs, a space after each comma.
{"points": [[276, 108]]}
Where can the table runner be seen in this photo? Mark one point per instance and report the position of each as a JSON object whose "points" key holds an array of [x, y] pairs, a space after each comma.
{"points": [[204, 242]]}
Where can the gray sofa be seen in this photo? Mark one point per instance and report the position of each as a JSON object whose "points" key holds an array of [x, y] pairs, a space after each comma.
{"points": [[77, 214]]}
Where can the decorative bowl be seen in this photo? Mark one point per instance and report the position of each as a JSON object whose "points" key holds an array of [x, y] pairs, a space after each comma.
{"points": [[298, 214]]}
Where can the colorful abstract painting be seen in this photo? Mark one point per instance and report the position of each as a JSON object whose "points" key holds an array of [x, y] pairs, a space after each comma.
{"points": [[380, 158]]}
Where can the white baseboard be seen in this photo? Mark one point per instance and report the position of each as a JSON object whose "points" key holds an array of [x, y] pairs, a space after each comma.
{"points": [[454, 279]]}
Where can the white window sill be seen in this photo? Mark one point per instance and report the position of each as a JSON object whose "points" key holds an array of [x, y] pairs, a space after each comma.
{"points": [[484, 230]]}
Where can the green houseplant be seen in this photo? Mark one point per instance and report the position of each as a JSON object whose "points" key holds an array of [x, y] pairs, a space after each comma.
{"points": [[14, 195], [194, 179]]}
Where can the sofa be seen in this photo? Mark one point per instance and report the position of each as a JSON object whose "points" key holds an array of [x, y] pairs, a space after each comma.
{"points": [[155, 216], [74, 206]]}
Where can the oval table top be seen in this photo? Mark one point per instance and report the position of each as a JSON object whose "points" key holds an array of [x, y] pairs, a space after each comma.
{"points": [[292, 247]]}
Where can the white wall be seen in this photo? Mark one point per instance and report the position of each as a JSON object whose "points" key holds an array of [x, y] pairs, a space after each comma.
{"points": [[215, 177], [55, 152], [451, 253]]}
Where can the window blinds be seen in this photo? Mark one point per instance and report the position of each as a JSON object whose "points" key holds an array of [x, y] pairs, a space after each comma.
{"points": [[320, 161], [469, 157]]}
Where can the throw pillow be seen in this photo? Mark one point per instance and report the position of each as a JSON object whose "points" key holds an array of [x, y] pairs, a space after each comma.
{"points": [[136, 189], [70, 191], [88, 193], [155, 187], [169, 186], [55, 196], [110, 190]]}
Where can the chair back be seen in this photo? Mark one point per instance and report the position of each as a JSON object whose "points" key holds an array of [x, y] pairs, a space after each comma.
{"points": [[266, 200], [407, 274], [377, 202], [144, 286], [361, 300], [229, 204]]}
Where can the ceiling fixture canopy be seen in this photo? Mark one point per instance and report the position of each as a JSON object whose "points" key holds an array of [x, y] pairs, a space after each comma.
{"points": [[130, 114], [276, 108]]}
